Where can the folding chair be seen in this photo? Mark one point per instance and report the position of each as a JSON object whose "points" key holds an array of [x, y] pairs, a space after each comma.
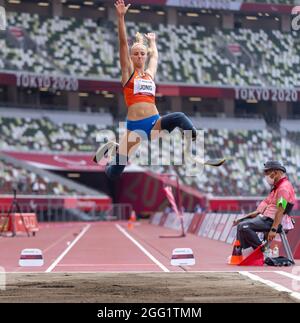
{"points": [[285, 243], [282, 232], [283, 236]]}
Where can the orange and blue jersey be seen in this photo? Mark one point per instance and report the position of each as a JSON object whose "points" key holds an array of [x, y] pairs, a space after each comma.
{"points": [[139, 89]]}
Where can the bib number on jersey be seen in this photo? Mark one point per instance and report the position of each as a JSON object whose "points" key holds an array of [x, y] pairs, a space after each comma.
{"points": [[142, 86]]}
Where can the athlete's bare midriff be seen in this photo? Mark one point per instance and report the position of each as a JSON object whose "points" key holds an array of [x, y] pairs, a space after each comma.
{"points": [[141, 110]]}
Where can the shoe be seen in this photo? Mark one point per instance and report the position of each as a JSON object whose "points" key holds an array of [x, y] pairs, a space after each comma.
{"points": [[105, 151]]}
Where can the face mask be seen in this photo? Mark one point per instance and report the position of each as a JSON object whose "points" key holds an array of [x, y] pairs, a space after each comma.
{"points": [[269, 180]]}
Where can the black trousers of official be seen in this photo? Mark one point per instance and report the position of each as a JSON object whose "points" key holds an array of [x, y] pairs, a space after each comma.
{"points": [[247, 231]]}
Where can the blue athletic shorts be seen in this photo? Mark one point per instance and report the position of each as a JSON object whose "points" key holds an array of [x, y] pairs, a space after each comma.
{"points": [[143, 126]]}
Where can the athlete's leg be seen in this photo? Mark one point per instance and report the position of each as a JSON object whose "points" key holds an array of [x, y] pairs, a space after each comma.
{"points": [[175, 120], [179, 120], [171, 121], [128, 145]]}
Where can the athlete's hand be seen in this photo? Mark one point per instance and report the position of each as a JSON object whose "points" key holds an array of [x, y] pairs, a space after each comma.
{"points": [[121, 8], [150, 37]]}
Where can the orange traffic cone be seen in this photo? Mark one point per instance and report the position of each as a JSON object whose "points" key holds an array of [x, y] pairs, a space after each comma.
{"points": [[236, 258], [133, 216], [131, 220]]}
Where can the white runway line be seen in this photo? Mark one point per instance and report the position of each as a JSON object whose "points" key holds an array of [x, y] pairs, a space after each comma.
{"points": [[292, 276], [271, 284], [147, 253], [58, 259]]}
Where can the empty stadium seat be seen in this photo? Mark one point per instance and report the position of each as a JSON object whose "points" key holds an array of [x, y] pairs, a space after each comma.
{"points": [[190, 54]]}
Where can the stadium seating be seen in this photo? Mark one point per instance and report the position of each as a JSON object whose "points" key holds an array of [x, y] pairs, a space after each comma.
{"points": [[26, 182], [190, 54], [261, 57], [44, 135], [92, 54], [240, 176], [272, 1]]}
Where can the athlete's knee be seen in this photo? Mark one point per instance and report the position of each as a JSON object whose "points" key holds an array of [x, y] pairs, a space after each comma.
{"points": [[114, 171], [172, 119], [177, 119], [178, 115], [116, 167]]}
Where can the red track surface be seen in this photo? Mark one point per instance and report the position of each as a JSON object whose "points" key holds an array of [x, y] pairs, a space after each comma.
{"points": [[103, 247]]}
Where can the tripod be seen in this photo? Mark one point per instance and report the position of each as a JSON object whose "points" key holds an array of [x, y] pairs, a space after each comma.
{"points": [[14, 207]]}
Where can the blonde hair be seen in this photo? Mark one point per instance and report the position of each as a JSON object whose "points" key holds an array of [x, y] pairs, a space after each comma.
{"points": [[139, 38], [139, 41]]}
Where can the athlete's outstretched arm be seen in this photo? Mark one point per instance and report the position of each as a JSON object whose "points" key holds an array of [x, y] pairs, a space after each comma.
{"points": [[125, 61], [153, 54]]}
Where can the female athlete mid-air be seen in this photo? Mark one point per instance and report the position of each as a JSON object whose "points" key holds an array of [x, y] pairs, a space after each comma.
{"points": [[139, 93]]}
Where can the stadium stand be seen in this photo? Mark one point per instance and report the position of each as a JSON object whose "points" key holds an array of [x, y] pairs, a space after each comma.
{"points": [[208, 56], [264, 57], [249, 148], [242, 176], [29, 179], [272, 1], [43, 134], [27, 182]]}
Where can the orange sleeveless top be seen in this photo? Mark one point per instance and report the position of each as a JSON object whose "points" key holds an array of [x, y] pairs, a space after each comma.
{"points": [[139, 89]]}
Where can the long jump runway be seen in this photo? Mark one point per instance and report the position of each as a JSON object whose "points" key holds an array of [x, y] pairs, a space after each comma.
{"points": [[108, 262]]}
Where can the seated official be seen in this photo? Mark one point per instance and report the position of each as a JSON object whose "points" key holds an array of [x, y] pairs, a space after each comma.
{"points": [[270, 212]]}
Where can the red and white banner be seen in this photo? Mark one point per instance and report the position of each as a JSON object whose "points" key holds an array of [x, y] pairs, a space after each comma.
{"points": [[266, 94], [233, 5], [172, 221], [144, 191], [220, 227], [235, 204], [34, 202], [207, 4], [54, 82], [18, 223], [209, 91], [71, 162], [195, 223], [171, 199]]}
